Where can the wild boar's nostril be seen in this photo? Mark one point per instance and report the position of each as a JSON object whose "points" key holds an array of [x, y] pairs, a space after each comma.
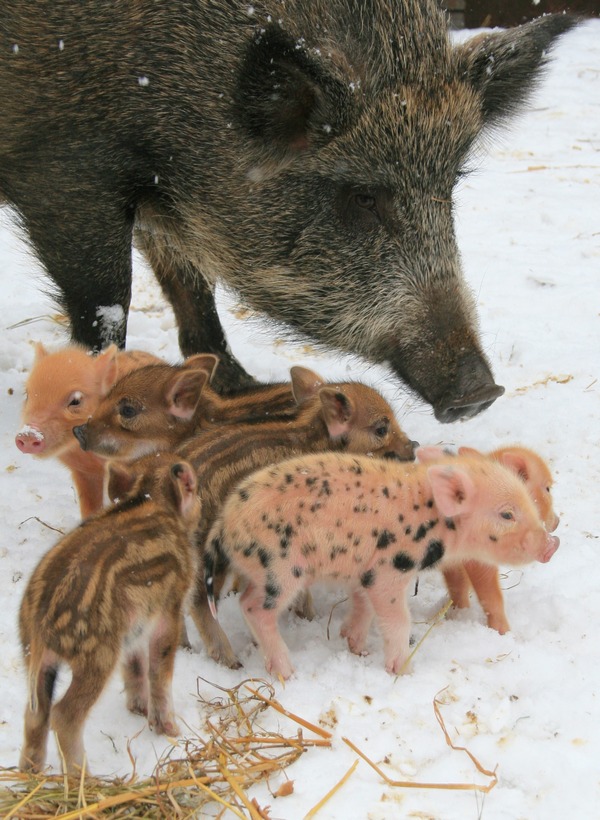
{"points": [[466, 407]]}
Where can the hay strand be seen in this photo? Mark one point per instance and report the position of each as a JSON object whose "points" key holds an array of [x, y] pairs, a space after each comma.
{"points": [[233, 753], [406, 784], [316, 808]]}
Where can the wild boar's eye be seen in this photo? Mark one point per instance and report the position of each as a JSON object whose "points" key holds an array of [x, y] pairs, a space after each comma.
{"points": [[366, 201], [365, 208]]}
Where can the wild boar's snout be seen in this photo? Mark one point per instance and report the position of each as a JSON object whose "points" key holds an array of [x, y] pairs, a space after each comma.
{"points": [[473, 390], [457, 388]]}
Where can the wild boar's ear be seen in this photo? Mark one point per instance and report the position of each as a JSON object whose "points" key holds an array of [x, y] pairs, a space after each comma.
{"points": [[338, 411], [288, 98], [202, 361], [305, 383], [119, 480], [504, 66], [107, 368], [183, 392], [453, 489]]}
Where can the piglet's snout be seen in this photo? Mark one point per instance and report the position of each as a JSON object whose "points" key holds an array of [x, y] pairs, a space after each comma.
{"points": [[552, 543], [31, 440]]}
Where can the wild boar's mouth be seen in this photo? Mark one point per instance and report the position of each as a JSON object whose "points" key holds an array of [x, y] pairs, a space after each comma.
{"points": [[467, 391], [465, 407]]}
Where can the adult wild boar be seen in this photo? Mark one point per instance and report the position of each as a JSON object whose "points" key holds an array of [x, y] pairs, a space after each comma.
{"points": [[304, 152]]}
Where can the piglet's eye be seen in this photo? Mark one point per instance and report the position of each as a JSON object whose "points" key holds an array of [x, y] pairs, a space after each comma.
{"points": [[508, 516], [75, 399], [382, 428], [127, 410]]}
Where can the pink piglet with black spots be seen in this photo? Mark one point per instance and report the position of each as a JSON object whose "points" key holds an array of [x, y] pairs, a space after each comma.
{"points": [[369, 525]]}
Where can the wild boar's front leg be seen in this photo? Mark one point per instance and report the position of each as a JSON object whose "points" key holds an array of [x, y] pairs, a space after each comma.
{"points": [[193, 302], [81, 229]]}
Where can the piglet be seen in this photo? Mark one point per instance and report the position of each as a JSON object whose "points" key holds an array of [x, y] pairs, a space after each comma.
{"points": [[484, 578], [370, 525], [114, 587], [63, 390]]}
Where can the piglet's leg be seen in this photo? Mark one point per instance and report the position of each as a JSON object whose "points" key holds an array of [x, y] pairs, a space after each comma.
{"points": [[263, 625], [486, 583], [393, 618], [37, 721], [135, 678], [357, 622], [303, 605], [69, 714], [457, 581], [163, 646], [215, 640]]}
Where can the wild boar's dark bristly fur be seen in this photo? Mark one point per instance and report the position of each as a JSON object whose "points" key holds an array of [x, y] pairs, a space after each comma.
{"points": [[303, 152]]}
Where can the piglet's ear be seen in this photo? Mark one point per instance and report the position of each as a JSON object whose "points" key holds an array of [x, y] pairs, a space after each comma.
{"points": [[470, 451], [338, 411], [425, 455], [516, 463], [185, 487], [107, 368], [453, 489], [119, 480], [183, 392], [40, 351], [202, 361], [305, 383]]}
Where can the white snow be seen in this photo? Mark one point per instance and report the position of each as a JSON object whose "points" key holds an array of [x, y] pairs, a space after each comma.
{"points": [[527, 702]]}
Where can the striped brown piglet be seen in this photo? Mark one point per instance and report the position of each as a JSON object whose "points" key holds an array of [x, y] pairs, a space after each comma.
{"points": [[158, 407], [112, 588]]}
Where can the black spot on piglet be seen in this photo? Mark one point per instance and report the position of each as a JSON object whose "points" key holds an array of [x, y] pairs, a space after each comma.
{"points": [[403, 562], [435, 551]]}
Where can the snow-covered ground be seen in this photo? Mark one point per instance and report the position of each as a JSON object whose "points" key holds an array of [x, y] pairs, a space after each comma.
{"points": [[526, 702]]}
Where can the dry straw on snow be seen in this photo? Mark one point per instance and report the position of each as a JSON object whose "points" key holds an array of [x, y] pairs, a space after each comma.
{"points": [[235, 754]]}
